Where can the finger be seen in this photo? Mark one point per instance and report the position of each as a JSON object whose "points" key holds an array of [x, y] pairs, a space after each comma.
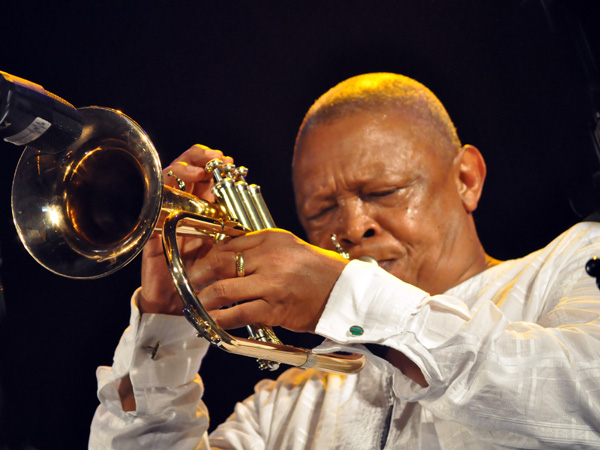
{"points": [[196, 158], [242, 314], [198, 155], [187, 172], [259, 249], [153, 247], [213, 267], [224, 254], [244, 243], [232, 290]]}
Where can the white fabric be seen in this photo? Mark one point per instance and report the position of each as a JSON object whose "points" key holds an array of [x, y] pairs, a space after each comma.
{"points": [[512, 358], [167, 388]]}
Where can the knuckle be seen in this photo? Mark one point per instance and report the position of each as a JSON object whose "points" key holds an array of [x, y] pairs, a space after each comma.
{"points": [[217, 261], [220, 289]]}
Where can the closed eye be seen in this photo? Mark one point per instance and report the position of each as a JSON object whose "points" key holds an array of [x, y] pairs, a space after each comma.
{"points": [[394, 192], [383, 193]]}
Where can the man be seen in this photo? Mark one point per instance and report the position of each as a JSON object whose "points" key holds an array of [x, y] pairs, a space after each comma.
{"points": [[476, 353]]}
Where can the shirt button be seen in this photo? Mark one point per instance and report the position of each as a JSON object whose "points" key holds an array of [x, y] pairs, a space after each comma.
{"points": [[356, 330]]}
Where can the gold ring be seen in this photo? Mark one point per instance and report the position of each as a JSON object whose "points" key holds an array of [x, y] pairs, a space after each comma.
{"points": [[239, 264]]}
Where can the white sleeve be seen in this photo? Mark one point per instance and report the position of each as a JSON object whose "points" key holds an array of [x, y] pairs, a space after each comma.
{"points": [[537, 377], [167, 388]]}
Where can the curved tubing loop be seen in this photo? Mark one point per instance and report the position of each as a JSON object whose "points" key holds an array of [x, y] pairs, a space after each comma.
{"points": [[208, 329]]}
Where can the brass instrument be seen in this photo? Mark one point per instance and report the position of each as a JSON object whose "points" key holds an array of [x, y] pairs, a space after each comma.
{"points": [[87, 211]]}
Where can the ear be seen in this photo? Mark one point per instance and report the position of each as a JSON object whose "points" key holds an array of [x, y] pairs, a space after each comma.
{"points": [[470, 176]]}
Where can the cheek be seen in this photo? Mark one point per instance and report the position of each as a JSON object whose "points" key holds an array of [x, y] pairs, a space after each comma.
{"points": [[402, 223], [415, 225]]}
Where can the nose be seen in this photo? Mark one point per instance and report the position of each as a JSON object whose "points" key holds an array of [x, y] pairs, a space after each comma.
{"points": [[356, 222]]}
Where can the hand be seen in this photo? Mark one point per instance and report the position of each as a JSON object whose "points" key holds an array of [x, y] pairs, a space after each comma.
{"points": [[287, 281], [158, 292]]}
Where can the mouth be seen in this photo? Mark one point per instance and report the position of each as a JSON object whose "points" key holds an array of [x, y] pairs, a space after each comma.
{"points": [[371, 257], [384, 258]]}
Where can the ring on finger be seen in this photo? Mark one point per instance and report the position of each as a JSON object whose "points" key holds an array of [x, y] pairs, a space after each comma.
{"points": [[239, 264]]}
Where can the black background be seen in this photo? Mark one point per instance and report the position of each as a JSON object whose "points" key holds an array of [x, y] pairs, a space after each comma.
{"points": [[239, 76]]}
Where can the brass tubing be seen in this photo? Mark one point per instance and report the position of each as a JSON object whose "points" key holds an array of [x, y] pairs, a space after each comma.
{"points": [[261, 206], [207, 328]]}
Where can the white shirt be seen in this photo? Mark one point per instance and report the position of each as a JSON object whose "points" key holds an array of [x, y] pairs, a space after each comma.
{"points": [[512, 358]]}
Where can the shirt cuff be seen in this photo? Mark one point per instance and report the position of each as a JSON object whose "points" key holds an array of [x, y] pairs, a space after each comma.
{"points": [[368, 305], [158, 350]]}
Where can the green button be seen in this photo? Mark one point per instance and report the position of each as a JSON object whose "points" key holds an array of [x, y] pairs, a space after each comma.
{"points": [[356, 330]]}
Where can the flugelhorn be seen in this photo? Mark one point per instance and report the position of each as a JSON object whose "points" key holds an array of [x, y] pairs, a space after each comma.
{"points": [[86, 211]]}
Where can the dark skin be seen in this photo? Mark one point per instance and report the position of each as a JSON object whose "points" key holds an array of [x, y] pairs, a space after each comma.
{"points": [[386, 192], [408, 203], [391, 193]]}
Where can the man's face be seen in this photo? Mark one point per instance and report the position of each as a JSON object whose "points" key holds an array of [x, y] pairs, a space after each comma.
{"points": [[381, 188]]}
